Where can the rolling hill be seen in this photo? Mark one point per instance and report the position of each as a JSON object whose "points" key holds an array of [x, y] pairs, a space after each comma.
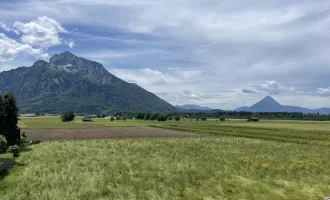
{"points": [[78, 84]]}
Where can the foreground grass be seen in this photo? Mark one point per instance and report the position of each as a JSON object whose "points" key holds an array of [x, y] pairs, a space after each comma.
{"points": [[193, 168]]}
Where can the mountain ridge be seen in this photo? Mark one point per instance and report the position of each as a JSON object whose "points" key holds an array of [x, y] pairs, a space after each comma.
{"points": [[193, 107], [269, 104], [71, 82]]}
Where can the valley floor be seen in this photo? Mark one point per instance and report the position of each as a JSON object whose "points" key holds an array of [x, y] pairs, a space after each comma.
{"points": [[237, 160]]}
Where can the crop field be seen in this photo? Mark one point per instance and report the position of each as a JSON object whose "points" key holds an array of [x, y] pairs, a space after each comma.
{"points": [[102, 133], [200, 160], [185, 168]]}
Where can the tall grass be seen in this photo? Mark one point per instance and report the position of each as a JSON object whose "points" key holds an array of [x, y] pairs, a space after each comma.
{"points": [[192, 168]]}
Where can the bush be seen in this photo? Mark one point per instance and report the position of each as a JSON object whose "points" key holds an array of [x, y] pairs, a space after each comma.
{"points": [[112, 119], [222, 119], [67, 116], [203, 118], [197, 118], [22, 142], [177, 118], [34, 142], [14, 150], [118, 118], [162, 117], [124, 117], [3, 144]]}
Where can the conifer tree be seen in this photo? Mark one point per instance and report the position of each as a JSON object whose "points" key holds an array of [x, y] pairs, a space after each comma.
{"points": [[10, 119]]}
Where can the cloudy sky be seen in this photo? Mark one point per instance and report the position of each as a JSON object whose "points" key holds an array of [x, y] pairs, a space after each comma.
{"points": [[216, 53]]}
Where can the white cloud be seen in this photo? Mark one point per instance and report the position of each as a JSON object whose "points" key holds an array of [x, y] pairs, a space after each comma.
{"points": [[10, 48], [271, 87], [70, 43], [36, 37], [43, 32], [150, 77], [8, 29], [323, 91]]}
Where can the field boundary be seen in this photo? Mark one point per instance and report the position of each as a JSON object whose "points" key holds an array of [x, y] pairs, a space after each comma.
{"points": [[233, 133]]}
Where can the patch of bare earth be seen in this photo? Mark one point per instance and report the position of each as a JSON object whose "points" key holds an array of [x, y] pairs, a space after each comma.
{"points": [[103, 133]]}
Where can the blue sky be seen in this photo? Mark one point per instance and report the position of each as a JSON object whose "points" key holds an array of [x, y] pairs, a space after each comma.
{"points": [[221, 54]]}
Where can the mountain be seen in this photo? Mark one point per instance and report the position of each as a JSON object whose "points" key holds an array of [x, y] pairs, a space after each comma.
{"points": [[192, 107], [78, 84], [268, 104]]}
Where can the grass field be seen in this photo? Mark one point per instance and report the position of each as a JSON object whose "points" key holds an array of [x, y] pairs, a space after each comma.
{"points": [[191, 168], [237, 160], [55, 122]]}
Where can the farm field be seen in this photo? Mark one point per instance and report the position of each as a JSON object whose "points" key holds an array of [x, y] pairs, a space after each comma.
{"points": [[55, 122], [199, 160], [185, 168], [102, 133]]}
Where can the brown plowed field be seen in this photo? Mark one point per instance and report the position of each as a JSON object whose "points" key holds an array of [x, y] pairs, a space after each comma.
{"points": [[102, 133]]}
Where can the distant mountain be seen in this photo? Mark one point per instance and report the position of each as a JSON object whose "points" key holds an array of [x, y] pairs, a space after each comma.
{"points": [[192, 107], [78, 84], [268, 104]]}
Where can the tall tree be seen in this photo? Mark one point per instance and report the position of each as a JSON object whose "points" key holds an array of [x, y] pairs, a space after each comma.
{"points": [[10, 119], [2, 115]]}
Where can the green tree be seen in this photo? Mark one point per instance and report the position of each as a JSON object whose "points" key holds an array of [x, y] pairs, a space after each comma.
{"points": [[67, 116], [9, 117], [203, 118], [222, 119], [147, 116], [112, 118], [2, 116], [177, 118]]}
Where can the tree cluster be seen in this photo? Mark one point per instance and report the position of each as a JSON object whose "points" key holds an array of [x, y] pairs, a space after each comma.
{"points": [[9, 119], [67, 116]]}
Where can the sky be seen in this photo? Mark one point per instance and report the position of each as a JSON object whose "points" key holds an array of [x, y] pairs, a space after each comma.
{"points": [[217, 53]]}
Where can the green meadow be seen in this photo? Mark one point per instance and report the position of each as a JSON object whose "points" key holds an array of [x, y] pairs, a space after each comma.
{"points": [[235, 160], [191, 168], [55, 122]]}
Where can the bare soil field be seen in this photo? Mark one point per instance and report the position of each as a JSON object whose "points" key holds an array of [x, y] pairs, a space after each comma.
{"points": [[102, 133]]}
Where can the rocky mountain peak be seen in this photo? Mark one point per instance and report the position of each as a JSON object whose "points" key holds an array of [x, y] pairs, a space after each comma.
{"points": [[40, 63], [63, 58]]}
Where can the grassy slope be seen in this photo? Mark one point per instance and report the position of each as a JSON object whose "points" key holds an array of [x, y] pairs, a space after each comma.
{"points": [[208, 168]]}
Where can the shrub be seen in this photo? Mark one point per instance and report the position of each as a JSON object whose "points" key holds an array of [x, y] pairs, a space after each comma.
{"points": [[3, 143], [67, 116], [124, 117], [112, 118], [177, 118], [14, 150], [35, 142], [197, 118], [118, 118], [203, 118], [162, 117], [22, 141], [222, 119]]}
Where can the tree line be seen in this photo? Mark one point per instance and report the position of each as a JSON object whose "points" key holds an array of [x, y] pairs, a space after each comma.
{"points": [[9, 119], [221, 115]]}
